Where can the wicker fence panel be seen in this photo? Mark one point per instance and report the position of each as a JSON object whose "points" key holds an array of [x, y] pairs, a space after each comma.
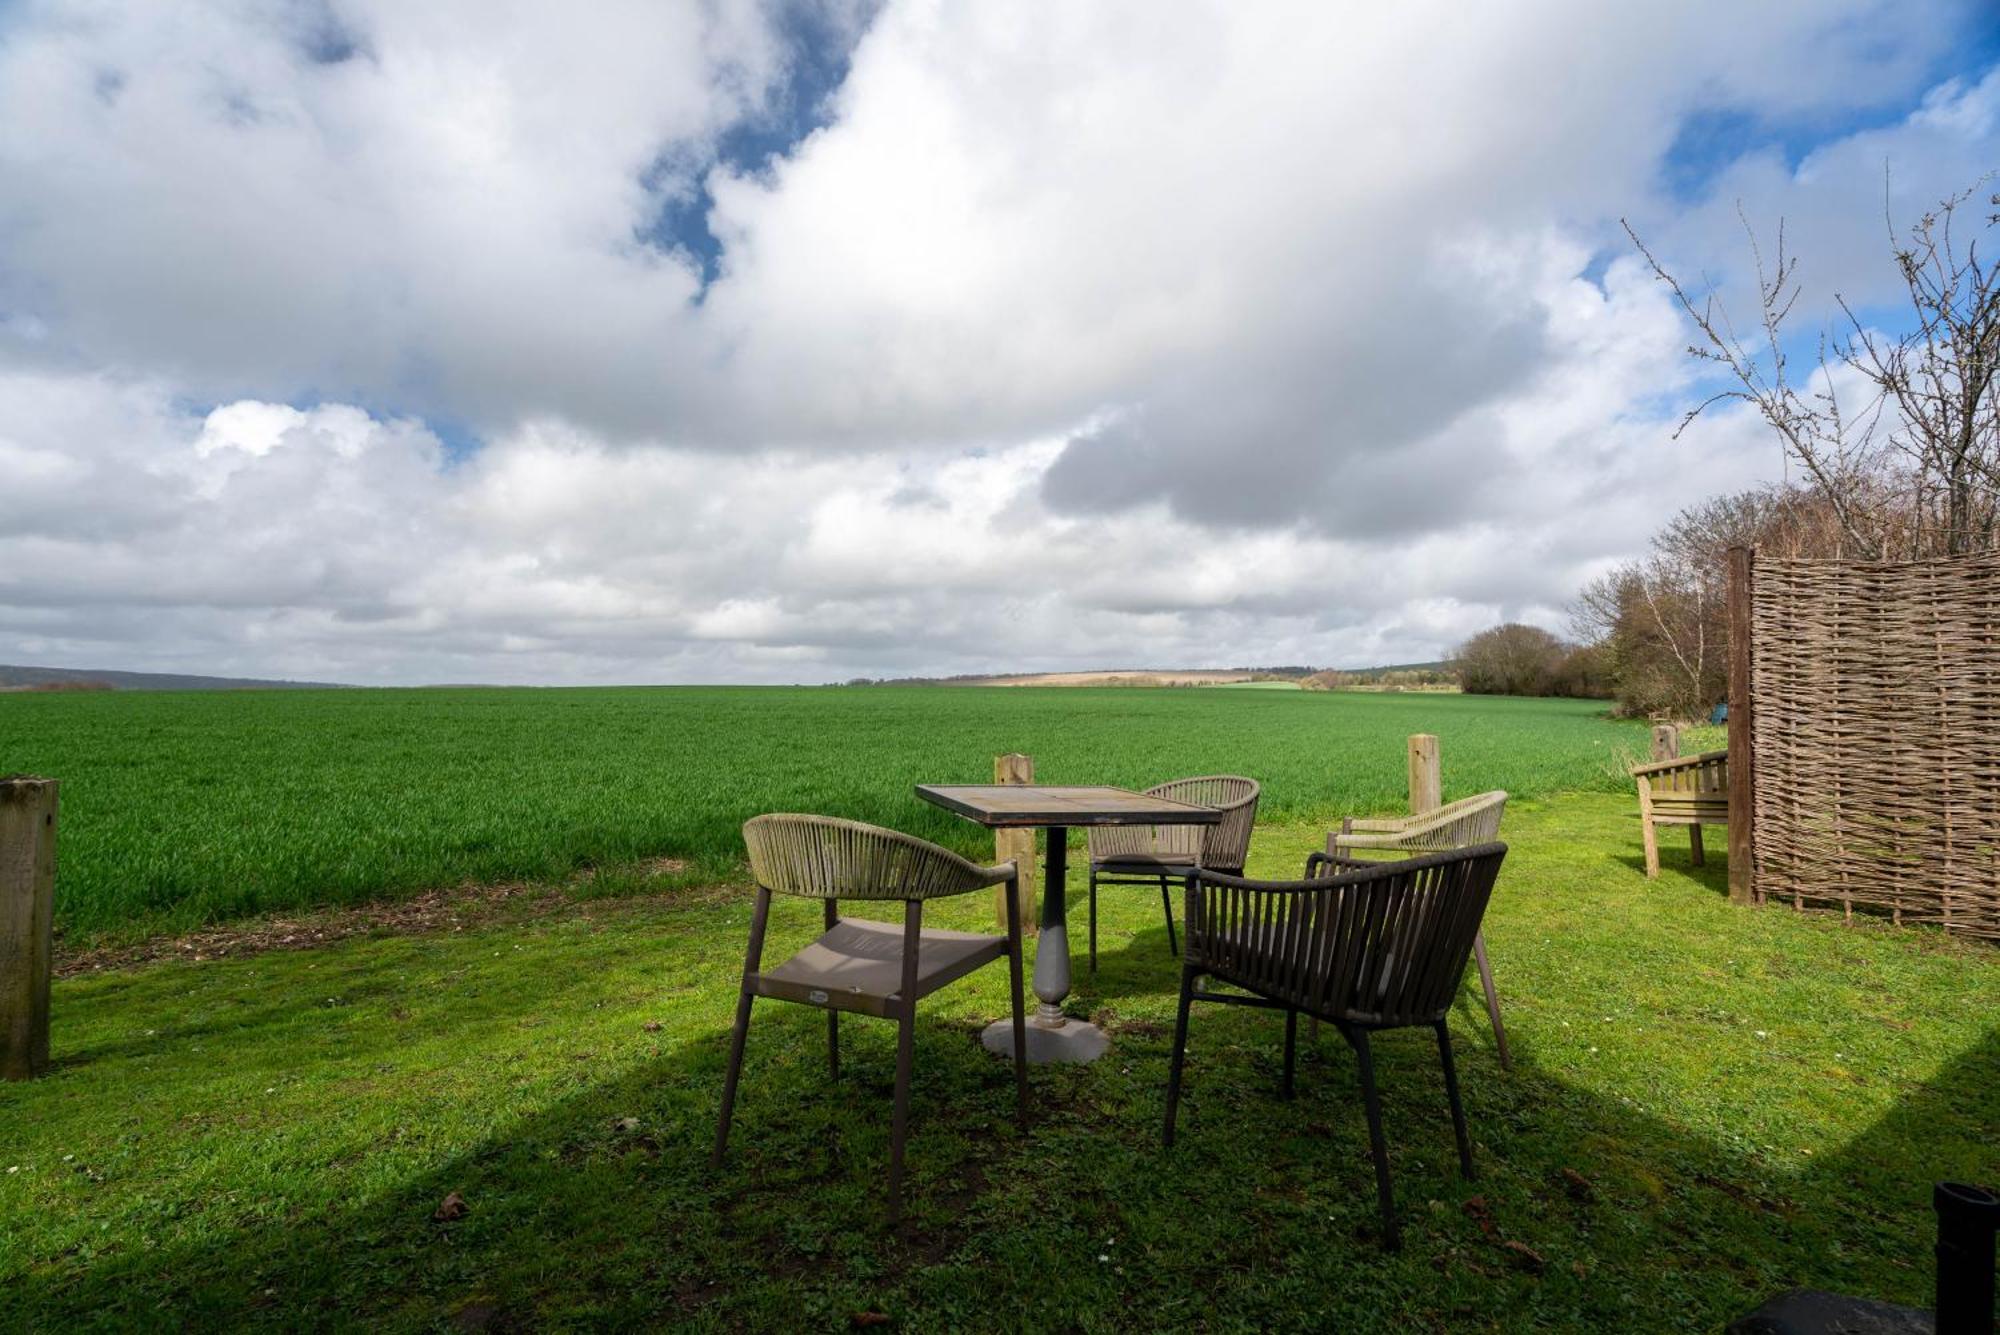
{"points": [[1876, 731]]}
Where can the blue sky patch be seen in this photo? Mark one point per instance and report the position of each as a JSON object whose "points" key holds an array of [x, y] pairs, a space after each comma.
{"points": [[818, 44]]}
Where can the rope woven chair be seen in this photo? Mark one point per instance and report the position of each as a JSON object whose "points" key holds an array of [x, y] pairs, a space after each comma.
{"points": [[864, 966], [1377, 946], [1470, 820], [1164, 854]]}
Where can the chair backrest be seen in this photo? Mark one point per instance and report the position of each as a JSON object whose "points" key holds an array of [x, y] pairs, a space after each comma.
{"points": [[1383, 946], [1225, 844], [1687, 777], [1472, 820], [825, 857]]}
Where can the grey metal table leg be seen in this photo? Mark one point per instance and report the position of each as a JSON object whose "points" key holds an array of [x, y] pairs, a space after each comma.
{"points": [[1052, 1036]]}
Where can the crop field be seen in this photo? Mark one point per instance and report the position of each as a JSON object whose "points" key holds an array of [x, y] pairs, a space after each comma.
{"points": [[180, 809]]}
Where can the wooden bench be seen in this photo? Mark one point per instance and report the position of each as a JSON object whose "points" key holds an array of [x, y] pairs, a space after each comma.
{"points": [[1691, 791]]}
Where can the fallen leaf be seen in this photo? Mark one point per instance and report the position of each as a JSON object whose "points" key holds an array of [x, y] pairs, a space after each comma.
{"points": [[628, 1124], [1578, 1186], [1482, 1215], [871, 1318], [1529, 1257], [652, 1026], [450, 1208]]}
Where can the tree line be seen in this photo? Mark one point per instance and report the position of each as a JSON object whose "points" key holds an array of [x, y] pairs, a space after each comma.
{"points": [[1896, 442]]}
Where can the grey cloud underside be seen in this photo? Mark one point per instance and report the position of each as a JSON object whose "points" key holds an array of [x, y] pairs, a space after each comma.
{"points": [[1369, 431]]}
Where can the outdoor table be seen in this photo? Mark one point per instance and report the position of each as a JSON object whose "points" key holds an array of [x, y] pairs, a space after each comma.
{"points": [[1052, 1036]]}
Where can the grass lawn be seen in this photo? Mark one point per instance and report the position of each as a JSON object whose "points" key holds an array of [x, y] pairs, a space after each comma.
{"points": [[1709, 1104], [180, 809]]}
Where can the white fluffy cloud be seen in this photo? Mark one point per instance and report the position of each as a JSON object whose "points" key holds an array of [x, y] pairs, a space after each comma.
{"points": [[1258, 336]]}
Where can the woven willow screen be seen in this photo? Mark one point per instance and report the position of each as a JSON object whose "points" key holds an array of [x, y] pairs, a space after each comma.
{"points": [[1876, 732]]}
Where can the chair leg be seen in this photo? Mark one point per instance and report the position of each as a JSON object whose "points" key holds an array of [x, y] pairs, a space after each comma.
{"points": [[899, 1133], [1457, 1108], [1093, 920], [1492, 1000], [832, 1016], [1392, 1237], [1014, 971], [1180, 1054], [1291, 1048], [736, 1037], [1652, 841], [1694, 844], [754, 957], [906, 1040], [1167, 902]]}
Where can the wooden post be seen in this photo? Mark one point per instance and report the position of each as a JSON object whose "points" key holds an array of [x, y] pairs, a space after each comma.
{"points": [[27, 921], [1742, 743], [1016, 846], [1666, 742], [1426, 776]]}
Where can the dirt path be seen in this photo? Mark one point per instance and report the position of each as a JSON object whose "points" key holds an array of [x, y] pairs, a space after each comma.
{"points": [[447, 910]]}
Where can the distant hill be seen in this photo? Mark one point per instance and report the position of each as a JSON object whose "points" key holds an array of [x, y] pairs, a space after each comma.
{"points": [[13, 678], [1438, 675], [1109, 677]]}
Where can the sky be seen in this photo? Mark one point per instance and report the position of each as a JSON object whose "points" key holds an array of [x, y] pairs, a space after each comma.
{"points": [[361, 341]]}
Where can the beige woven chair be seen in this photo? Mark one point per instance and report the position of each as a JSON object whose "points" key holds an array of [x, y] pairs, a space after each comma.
{"points": [[1163, 855], [868, 967], [1460, 824]]}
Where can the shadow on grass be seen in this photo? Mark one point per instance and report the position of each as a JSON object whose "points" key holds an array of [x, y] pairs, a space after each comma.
{"points": [[600, 1209], [1263, 1214]]}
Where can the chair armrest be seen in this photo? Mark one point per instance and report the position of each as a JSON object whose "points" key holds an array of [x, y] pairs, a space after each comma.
{"points": [[1399, 833], [1378, 824], [1322, 865], [1345, 841], [978, 879]]}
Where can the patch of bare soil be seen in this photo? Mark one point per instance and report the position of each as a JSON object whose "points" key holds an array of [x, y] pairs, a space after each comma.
{"points": [[445, 910]]}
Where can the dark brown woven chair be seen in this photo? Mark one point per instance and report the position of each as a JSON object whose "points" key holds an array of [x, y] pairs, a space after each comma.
{"points": [[1163, 855], [1377, 946], [868, 967], [1470, 820]]}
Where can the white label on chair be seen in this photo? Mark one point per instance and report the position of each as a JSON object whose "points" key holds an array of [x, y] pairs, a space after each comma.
{"points": [[816, 997]]}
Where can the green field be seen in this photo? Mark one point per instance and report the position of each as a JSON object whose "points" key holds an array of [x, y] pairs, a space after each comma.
{"points": [[180, 809]]}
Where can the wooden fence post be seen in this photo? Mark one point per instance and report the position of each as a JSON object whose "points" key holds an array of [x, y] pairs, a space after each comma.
{"points": [[1666, 742], [1016, 846], [1742, 746], [27, 921], [1426, 777]]}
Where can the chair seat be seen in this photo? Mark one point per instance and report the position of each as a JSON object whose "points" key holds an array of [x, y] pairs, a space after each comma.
{"points": [[1149, 864], [857, 965], [1145, 862]]}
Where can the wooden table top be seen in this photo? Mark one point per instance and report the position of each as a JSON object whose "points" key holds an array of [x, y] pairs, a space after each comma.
{"points": [[1015, 805]]}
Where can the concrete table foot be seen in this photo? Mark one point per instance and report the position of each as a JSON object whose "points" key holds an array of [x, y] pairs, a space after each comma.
{"points": [[1075, 1041]]}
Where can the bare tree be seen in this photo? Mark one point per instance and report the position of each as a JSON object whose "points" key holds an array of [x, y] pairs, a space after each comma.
{"points": [[1914, 468], [1660, 622], [1941, 377]]}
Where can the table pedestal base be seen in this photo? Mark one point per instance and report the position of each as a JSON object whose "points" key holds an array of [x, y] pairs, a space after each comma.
{"points": [[1074, 1041]]}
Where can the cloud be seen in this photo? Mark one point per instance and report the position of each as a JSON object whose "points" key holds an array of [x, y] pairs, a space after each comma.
{"points": [[1270, 334]]}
